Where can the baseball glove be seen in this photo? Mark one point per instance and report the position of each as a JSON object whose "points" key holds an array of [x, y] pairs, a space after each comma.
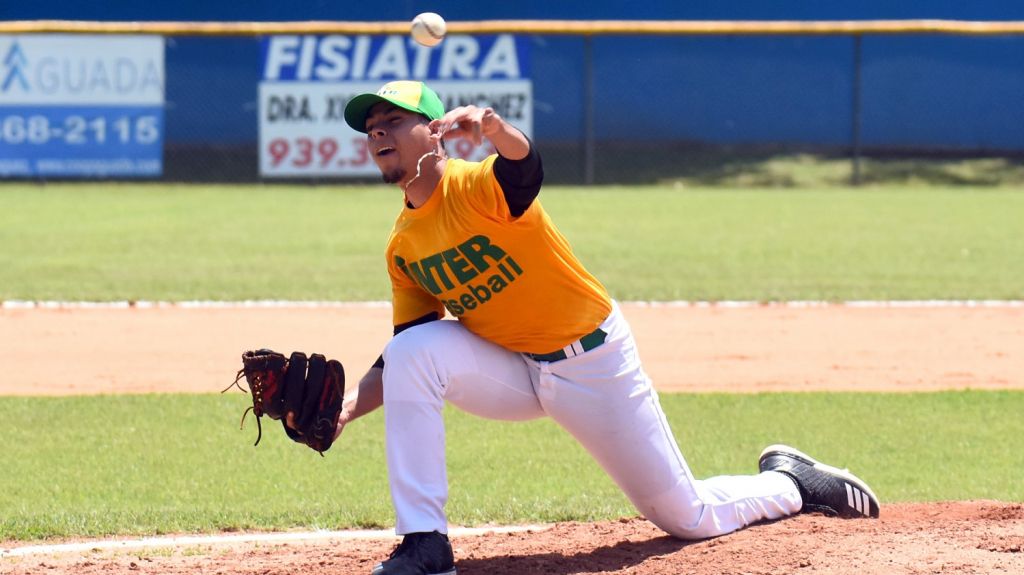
{"points": [[304, 393]]}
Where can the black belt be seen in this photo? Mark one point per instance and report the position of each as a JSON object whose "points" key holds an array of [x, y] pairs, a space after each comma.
{"points": [[583, 344]]}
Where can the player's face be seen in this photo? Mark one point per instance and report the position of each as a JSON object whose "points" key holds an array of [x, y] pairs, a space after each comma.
{"points": [[397, 138]]}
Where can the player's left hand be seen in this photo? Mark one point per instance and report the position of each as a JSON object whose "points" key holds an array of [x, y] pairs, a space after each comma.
{"points": [[343, 418]]}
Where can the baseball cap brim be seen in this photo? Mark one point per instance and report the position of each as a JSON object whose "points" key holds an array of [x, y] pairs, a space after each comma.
{"points": [[358, 108]]}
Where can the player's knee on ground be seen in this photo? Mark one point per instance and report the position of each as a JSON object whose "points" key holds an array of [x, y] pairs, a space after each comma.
{"points": [[690, 533], [686, 525], [687, 516]]}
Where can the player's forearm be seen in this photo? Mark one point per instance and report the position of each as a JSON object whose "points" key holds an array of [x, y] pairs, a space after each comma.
{"points": [[368, 397], [509, 142]]}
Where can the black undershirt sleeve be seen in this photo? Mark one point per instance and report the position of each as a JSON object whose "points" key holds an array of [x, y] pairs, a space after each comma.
{"points": [[432, 316], [520, 180]]}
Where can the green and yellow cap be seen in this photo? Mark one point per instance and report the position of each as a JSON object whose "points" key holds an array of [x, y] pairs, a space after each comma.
{"points": [[412, 96]]}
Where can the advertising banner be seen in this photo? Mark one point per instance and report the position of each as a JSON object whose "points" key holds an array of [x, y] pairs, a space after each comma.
{"points": [[308, 80], [81, 106]]}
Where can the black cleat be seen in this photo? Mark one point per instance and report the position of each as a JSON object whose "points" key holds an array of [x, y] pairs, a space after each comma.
{"points": [[420, 554], [834, 492]]}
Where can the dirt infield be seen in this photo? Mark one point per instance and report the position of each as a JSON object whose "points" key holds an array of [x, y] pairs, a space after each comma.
{"points": [[685, 348]]}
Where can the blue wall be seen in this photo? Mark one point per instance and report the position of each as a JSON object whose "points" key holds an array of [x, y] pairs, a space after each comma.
{"points": [[541, 9], [918, 91]]}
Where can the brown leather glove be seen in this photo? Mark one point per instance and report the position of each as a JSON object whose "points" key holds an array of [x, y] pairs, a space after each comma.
{"points": [[304, 393]]}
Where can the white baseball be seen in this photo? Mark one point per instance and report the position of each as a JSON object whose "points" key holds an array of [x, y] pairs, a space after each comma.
{"points": [[428, 29]]}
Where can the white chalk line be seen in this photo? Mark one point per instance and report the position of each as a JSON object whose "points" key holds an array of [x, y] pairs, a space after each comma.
{"points": [[260, 304], [28, 304], [191, 540]]}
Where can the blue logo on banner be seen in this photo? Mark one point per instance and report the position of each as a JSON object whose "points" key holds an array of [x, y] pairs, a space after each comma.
{"points": [[14, 62]]}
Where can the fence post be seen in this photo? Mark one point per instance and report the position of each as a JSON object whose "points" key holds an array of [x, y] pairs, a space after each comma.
{"points": [[856, 110], [588, 109]]}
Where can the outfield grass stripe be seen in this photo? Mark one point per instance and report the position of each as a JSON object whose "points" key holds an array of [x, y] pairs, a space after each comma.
{"points": [[97, 242], [137, 466], [292, 536], [260, 304]]}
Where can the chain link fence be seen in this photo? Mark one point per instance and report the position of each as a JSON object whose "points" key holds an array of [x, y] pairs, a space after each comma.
{"points": [[690, 102]]}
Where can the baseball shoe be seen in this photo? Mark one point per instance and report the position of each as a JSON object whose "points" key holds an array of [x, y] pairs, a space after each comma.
{"points": [[420, 554], [823, 488]]}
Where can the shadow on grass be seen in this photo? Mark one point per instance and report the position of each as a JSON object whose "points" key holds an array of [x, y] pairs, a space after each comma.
{"points": [[779, 166]]}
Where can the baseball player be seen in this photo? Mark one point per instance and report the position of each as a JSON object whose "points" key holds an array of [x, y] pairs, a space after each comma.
{"points": [[534, 334]]}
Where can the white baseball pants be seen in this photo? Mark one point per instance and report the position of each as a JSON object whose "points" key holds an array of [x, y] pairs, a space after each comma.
{"points": [[602, 397]]}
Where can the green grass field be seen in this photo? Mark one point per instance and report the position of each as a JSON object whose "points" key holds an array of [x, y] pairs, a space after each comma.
{"points": [[88, 466], [165, 242], [172, 463]]}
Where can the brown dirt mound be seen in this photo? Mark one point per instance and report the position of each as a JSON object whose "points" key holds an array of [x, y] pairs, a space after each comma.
{"points": [[979, 537]]}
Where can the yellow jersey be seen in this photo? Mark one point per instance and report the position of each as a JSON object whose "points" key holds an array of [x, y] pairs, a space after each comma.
{"points": [[513, 281]]}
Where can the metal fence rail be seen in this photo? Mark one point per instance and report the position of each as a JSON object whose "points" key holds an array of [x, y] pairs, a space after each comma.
{"points": [[545, 27]]}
